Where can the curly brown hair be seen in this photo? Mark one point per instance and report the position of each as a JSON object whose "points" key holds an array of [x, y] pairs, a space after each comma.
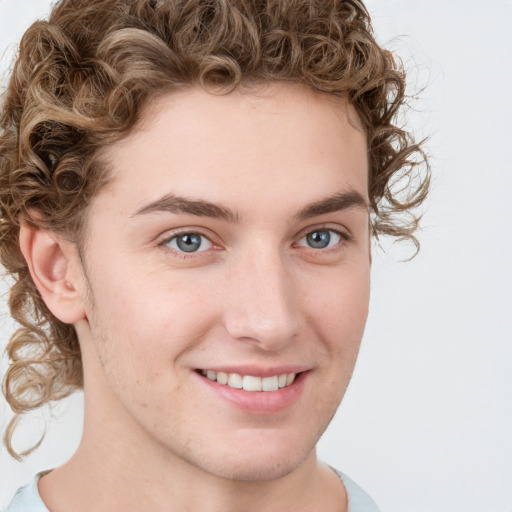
{"points": [[80, 82]]}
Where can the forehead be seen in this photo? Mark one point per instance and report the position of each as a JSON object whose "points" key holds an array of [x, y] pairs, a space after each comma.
{"points": [[281, 138]]}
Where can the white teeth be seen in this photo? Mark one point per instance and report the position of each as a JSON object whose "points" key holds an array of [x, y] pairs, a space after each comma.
{"points": [[250, 382], [222, 378], [270, 383], [235, 381]]}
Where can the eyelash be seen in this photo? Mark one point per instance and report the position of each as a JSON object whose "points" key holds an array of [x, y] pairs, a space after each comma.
{"points": [[182, 254], [344, 239], [344, 236]]}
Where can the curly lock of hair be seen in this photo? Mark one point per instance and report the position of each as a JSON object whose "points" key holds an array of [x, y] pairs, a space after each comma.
{"points": [[80, 82]]}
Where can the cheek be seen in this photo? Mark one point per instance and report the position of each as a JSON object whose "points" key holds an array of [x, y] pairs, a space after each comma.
{"points": [[150, 316], [339, 308], [339, 315]]}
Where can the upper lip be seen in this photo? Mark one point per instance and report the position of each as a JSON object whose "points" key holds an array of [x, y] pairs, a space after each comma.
{"points": [[258, 371]]}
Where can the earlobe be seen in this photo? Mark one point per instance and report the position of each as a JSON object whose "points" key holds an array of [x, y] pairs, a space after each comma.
{"points": [[49, 262]]}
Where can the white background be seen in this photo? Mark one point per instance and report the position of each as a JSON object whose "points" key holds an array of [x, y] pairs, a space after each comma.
{"points": [[426, 425]]}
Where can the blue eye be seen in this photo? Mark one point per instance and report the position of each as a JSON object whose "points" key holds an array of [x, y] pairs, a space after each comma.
{"points": [[321, 239], [189, 242]]}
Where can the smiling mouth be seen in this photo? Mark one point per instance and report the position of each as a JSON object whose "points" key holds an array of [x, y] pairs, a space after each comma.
{"points": [[250, 382]]}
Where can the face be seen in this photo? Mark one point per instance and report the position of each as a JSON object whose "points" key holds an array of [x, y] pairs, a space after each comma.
{"points": [[230, 249]]}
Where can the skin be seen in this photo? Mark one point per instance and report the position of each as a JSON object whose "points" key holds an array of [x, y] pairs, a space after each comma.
{"points": [[255, 294]]}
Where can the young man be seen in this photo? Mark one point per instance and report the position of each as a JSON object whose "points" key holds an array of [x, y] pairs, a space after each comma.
{"points": [[188, 191]]}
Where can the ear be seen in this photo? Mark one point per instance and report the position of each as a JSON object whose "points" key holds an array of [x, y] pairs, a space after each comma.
{"points": [[53, 265]]}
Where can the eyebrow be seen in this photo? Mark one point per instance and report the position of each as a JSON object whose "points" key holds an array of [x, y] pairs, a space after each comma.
{"points": [[177, 204], [338, 202]]}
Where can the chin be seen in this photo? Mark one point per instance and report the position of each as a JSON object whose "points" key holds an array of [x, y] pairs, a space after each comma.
{"points": [[263, 459], [267, 469]]}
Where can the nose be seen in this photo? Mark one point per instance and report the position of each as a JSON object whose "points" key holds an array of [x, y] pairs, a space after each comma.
{"points": [[263, 305]]}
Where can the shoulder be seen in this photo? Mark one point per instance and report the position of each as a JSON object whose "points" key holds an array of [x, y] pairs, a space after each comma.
{"points": [[358, 499], [27, 498]]}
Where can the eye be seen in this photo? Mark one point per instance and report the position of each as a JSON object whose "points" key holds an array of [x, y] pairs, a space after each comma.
{"points": [[189, 242], [321, 239]]}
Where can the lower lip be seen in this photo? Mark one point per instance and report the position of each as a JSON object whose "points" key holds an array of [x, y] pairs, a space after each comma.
{"points": [[258, 402]]}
